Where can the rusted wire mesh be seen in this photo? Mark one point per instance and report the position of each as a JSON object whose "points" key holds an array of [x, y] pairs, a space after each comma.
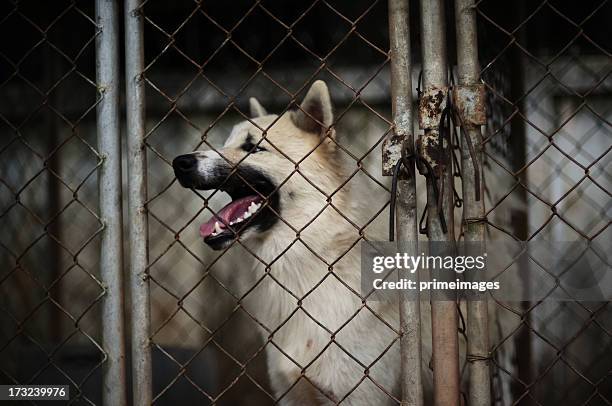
{"points": [[262, 70], [224, 57], [546, 66], [50, 287]]}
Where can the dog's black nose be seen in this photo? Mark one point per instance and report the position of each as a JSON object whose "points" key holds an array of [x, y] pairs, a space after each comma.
{"points": [[185, 163]]}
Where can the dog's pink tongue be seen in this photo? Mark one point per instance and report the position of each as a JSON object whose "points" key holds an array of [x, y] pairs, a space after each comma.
{"points": [[228, 214]]}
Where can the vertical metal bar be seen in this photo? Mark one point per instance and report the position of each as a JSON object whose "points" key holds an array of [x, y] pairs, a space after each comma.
{"points": [[468, 74], [445, 343], [109, 145], [139, 284], [406, 219]]}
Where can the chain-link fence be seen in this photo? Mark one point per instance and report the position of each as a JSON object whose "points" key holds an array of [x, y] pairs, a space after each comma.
{"points": [[277, 315], [221, 72], [547, 69], [61, 190]]}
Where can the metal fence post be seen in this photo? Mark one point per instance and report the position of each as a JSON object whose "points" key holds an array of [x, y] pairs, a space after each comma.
{"points": [[109, 144], [445, 342], [406, 219], [139, 284], [470, 103]]}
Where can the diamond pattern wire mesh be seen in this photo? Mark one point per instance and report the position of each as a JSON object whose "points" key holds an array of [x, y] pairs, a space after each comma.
{"points": [[548, 166], [516, 190], [547, 66], [220, 331], [50, 288]]}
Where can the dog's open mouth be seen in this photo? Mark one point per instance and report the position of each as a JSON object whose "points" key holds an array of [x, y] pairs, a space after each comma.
{"points": [[254, 204], [233, 216]]}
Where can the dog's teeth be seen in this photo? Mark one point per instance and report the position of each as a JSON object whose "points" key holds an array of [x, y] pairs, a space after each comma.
{"points": [[217, 227], [246, 215], [253, 208]]}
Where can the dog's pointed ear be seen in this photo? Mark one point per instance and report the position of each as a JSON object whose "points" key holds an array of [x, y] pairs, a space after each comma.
{"points": [[256, 108], [315, 114]]}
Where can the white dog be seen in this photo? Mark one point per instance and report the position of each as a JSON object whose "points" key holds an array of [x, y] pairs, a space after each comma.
{"points": [[323, 344]]}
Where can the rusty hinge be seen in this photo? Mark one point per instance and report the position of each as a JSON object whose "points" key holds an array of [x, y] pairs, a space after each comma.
{"points": [[470, 104], [392, 152], [431, 104]]}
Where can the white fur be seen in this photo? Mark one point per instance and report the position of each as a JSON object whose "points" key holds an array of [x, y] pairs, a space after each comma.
{"points": [[256, 108], [315, 336], [302, 335]]}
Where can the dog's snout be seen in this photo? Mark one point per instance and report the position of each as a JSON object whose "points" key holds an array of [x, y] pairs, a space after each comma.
{"points": [[185, 163]]}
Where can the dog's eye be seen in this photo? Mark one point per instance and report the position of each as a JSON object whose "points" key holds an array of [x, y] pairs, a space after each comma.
{"points": [[252, 148]]}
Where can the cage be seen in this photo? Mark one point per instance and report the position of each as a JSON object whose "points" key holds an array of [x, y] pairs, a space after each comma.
{"points": [[106, 284]]}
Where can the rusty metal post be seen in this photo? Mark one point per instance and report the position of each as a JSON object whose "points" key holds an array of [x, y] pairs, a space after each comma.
{"points": [[470, 102], [138, 280], [109, 180], [406, 219], [445, 341]]}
